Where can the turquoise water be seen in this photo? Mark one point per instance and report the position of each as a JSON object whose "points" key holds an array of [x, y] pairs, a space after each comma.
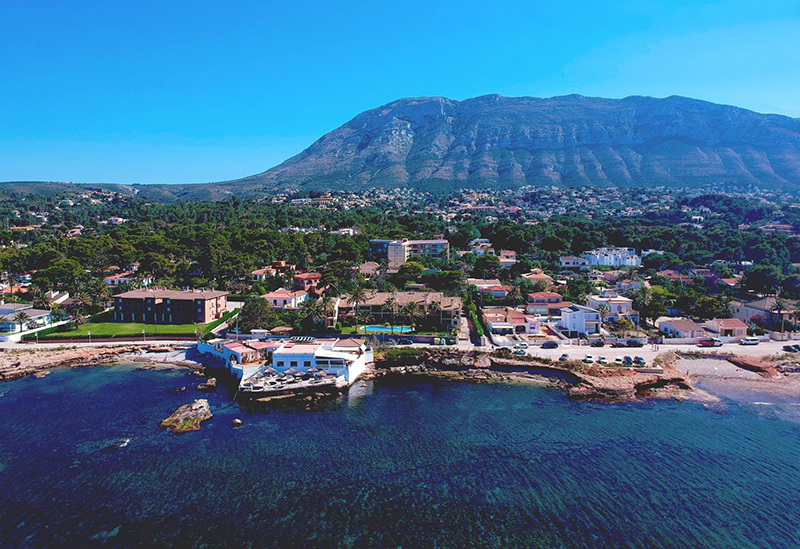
{"points": [[410, 463], [387, 329]]}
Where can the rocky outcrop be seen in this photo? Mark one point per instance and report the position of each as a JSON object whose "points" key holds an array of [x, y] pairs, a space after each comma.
{"points": [[759, 365], [188, 417], [15, 364], [608, 384], [209, 386]]}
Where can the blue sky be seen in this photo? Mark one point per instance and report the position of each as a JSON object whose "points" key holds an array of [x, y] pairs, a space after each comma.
{"points": [[192, 91]]}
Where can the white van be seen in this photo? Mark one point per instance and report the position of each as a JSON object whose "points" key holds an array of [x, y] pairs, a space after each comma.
{"points": [[749, 341]]}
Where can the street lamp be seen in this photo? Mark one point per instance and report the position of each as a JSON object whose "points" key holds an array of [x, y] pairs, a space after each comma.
{"points": [[144, 338], [90, 337]]}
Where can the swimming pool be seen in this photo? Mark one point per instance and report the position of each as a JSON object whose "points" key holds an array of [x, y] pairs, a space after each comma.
{"points": [[387, 329]]}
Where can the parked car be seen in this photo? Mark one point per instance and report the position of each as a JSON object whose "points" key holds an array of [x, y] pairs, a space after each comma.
{"points": [[520, 351], [588, 359], [619, 344], [635, 343], [450, 340], [598, 343], [749, 341], [710, 342], [628, 361], [550, 345], [602, 360], [563, 358], [404, 341], [618, 361], [640, 361], [521, 345], [790, 348]]}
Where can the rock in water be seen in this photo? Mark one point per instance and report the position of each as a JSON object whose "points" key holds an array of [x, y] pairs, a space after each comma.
{"points": [[188, 417], [209, 386], [237, 423]]}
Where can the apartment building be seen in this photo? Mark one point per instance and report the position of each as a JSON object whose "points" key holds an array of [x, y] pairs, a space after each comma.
{"points": [[170, 306]]}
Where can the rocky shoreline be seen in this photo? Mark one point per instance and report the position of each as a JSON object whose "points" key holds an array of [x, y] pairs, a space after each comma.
{"points": [[22, 362], [579, 382]]}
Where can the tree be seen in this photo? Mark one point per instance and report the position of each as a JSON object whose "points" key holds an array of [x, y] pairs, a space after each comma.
{"points": [[21, 317], [408, 271], [411, 312], [515, 296], [487, 266], [313, 311], [390, 305], [779, 307], [257, 314], [603, 310], [435, 308], [357, 297]]}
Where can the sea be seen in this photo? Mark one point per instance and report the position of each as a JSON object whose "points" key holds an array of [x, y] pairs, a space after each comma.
{"points": [[405, 462]]}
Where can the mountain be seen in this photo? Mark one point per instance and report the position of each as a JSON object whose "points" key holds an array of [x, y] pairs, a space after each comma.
{"points": [[435, 143], [496, 141]]}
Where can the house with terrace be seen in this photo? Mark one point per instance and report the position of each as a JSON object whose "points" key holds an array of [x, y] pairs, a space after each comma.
{"points": [[614, 307], [433, 308], [545, 304], [577, 321], [537, 275], [506, 321]]}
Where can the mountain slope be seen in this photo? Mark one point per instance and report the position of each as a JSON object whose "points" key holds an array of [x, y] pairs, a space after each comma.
{"points": [[572, 140]]}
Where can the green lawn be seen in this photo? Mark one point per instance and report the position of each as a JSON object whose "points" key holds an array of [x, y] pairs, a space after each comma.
{"points": [[101, 328]]}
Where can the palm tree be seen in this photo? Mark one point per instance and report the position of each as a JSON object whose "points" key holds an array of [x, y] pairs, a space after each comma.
{"points": [[363, 319], [779, 307], [328, 307], [40, 302], [796, 315], [412, 312], [82, 300], [313, 310], [98, 294], [21, 317], [515, 295], [357, 297], [436, 308], [603, 310], [390, 305]]}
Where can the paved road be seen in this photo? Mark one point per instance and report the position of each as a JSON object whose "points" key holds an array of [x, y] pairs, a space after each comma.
{"points": [[57, 344], [578, 352]]}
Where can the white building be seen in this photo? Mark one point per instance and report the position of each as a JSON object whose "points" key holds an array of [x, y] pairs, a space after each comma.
{"points": [[400, 251], [613, 257], [286, 299], [577, 319], [616, 307]]}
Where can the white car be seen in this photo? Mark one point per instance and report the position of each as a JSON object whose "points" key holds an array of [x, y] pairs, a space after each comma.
{"points": [[521, 345], [589, 359], [602, 360], [749, 341], [618, 361]]}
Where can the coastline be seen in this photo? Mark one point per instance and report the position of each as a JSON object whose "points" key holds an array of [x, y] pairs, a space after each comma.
{"points": [[20, 363], [705, 378]]}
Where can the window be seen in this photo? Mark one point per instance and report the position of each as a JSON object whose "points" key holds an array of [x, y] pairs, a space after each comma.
{"points": [[307, 364], [293, 364], [280, 364]]}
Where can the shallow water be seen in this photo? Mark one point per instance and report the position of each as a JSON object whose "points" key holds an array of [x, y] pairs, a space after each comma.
{"points": [[411, 463]]}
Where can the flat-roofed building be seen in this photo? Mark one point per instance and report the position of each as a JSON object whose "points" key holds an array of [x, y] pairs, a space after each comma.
{"points": [[170, 306]]}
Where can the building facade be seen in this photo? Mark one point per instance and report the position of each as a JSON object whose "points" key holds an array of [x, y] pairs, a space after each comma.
{"points": [[170, 306]]}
